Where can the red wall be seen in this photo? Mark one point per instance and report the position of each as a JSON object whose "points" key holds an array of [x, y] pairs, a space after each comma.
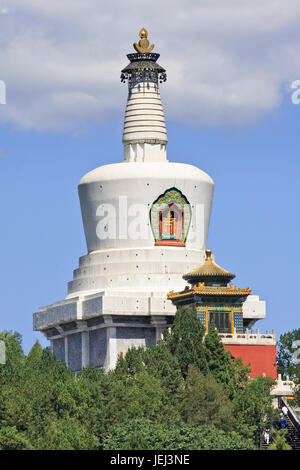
{"points": [[261, 358]]}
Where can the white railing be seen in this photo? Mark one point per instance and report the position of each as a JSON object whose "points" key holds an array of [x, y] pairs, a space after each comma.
{"points": [[284, 387], [249, 336]]}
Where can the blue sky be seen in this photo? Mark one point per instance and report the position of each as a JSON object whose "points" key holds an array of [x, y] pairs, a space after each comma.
{"points": [[244, 133]]}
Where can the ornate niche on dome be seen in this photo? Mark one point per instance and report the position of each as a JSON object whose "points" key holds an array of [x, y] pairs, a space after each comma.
{"points": [[170, 217]]}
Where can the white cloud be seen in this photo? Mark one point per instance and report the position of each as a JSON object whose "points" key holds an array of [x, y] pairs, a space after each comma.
{"points": [[228, 62]]}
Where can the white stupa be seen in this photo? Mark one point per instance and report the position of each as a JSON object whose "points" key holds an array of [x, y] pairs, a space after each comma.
{"points": [[146, 223]]}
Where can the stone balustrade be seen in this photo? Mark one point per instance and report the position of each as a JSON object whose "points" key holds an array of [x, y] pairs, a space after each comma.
{"points": [[282, 387], [248, 337]]}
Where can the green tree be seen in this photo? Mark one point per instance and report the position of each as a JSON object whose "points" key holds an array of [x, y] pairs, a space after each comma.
{"points": [[158, 362], [253, 408], [174, 395], [144, 397], [279, 441], [185, 340], [32, 400], [45, 406], [296, 380], [15, 358], [132, 363], [206, 402], [10, 375], [66, 434], [144, 434], [226, 370], [285, 364], [12, 439]]}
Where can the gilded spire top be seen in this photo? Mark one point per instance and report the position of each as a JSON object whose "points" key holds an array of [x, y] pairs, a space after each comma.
{"points": [[143, 45]]}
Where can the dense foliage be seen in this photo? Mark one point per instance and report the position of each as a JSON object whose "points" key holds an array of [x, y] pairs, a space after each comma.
{"points": [[288, 360], [185, 393], [285, 361], [279, 440]]}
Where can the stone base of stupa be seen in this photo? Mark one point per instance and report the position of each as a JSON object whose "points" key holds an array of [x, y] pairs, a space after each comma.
{"points": [[94, 330], [118, 299]]}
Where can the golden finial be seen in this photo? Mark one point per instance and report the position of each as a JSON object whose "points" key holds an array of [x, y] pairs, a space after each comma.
{"points": [[143, 45], [208, 254]]}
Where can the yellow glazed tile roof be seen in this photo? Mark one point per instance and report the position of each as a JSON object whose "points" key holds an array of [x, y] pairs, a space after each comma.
{"points": [[208, 269]]}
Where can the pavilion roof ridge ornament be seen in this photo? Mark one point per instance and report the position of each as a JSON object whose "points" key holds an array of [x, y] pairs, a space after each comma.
{"points": [[208, 269], [143, 44]]}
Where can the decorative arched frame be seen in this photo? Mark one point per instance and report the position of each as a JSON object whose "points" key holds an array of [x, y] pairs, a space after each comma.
{"points": [[170, 218]]}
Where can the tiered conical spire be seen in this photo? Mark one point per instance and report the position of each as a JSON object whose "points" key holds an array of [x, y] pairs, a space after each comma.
{"points": [[145, 135]]}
